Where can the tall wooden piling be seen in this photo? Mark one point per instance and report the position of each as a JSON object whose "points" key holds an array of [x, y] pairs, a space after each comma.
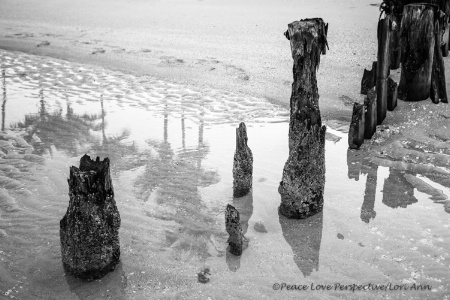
{"points": [[438, 91], [418, 39], [383, 65], [303, 178], [89, 231]]}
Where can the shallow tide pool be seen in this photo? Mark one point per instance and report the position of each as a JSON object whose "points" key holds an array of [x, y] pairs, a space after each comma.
{"points": [[171, 148]]}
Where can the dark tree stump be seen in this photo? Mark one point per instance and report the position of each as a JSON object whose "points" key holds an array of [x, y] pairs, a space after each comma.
{"points": [[392, 94], [369, 79], [243, 164], [356, 132], [308, 41], [384, 35], [233, 226], [89, 231], [370, 119], [417, 38], [438, 90], [303, 178]]}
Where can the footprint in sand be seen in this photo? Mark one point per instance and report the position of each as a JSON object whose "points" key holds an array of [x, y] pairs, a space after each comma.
{"points": [[44, 43], [171, 60], [99, 51], [20, 35]]}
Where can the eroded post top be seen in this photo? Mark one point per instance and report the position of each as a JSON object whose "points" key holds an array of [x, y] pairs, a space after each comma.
{"points": [[308, 36]]}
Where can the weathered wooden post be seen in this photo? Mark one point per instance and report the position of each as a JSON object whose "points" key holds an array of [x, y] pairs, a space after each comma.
{"points": [[383, 65], [303, 178], [394, 44], [356, 131], [392, 94], [243, 164], [438, 90], [233, 227], [89, 231], [417, 36], [369, 79], [370, 119]]}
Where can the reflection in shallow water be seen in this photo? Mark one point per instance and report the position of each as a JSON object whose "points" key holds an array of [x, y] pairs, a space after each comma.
{"points": [[171, 148], [304, 236], [397, 191], [367, 209]]}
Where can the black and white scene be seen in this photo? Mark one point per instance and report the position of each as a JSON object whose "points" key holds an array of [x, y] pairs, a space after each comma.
{"points": [[206, 149]]}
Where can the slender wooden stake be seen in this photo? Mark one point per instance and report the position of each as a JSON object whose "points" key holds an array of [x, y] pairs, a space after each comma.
{"points": [[370, 124], [243, 164], [384, 35], [418, 42], [394, 44]]}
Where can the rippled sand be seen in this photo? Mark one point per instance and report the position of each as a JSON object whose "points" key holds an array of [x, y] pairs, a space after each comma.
{"points": [[385, 216]]}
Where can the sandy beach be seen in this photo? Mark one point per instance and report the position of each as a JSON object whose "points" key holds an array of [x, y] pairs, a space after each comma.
{"points": [[236, 46], [159, 87]]}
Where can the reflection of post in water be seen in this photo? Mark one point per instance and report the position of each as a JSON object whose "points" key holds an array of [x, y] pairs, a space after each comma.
{"points": [[42, 110], [397, 191], [304, 236], [244, 206], [183, 132], [354, 159], [4, 100], [200, 146], [69, 113], [112, 285], [367, 209], [166, 122], [103, 117]]}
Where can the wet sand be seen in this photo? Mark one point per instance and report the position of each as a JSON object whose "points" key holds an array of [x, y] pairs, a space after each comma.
{"points": [[162, 100], [233, 46], [171, 148]]}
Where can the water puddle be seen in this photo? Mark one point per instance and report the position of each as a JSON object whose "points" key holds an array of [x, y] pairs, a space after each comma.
{"points": [[385, 218]]}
